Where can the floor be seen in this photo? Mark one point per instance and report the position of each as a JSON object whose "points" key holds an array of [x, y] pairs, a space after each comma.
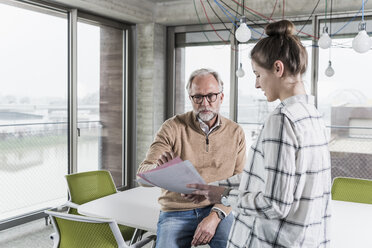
{"points": [[34, 234]]}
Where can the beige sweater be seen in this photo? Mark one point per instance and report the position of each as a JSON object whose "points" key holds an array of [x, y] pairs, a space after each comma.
{"points": [[220, 158]]}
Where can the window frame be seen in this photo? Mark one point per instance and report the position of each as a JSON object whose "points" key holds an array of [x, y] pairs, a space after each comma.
{"points": [[129, 89]]}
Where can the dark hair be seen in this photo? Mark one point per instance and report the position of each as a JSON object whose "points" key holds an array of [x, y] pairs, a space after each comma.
{"points": [[281, 45]]}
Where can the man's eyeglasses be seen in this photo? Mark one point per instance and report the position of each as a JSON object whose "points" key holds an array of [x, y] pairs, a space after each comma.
{"points": [[211, 97]]}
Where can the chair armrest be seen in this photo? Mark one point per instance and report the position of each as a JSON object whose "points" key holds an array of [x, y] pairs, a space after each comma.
{"points": [[71, 204], [143, 242], [53, 236]]}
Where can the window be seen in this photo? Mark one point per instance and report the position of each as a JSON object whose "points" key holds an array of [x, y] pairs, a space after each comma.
{"points": [[253, 107], [34, 98], [195, 50], [345, 100], [214, 57], [100, 99], [33, 115]]}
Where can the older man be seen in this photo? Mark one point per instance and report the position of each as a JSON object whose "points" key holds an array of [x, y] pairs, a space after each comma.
{"points": [[215, 146]]}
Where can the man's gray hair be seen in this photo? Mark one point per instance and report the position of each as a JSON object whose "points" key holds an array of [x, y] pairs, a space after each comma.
{"points": [[203, 72]]}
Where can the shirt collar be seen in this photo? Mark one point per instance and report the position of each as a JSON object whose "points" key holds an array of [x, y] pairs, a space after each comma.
{"points": [[205, 127], [309, 99]]}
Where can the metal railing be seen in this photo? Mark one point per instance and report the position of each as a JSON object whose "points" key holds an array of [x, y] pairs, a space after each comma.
{"points": [[33, 162], [350, 148]]}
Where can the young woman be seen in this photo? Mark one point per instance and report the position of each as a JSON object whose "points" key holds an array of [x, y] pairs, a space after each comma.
{"points": [[282, 197]]}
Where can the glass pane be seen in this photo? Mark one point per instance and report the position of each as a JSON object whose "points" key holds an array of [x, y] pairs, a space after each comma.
{"points": [[100, 99], [349, 87], [213, 57], [345, 100], [253, 107], [33, 115]]}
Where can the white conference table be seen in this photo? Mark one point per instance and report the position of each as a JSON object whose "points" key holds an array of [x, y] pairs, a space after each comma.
{"points": [[137, 207], [351, 225]]}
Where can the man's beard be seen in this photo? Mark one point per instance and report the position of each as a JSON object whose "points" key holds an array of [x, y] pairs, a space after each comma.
{"points": [[205, 116]]}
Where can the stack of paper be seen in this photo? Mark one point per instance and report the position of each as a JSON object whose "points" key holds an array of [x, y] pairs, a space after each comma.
{"points": [[173, 176]]}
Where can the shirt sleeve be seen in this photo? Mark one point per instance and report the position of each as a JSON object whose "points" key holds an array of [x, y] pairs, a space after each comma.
{"points": [[163, 142], [279, 147], [234, 181]]}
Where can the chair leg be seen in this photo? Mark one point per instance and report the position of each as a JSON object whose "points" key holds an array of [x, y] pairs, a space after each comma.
{"points": [[137, 236]]}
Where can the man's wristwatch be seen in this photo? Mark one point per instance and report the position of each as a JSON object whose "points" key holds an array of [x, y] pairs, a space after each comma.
{"points": [[224, 197], [220, 214]]}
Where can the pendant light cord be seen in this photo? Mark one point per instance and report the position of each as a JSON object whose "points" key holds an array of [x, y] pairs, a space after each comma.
{"points": [[325, 12]]}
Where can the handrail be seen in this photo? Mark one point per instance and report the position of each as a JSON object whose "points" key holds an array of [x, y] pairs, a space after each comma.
{"points": [[43, 123], [328, 126]]}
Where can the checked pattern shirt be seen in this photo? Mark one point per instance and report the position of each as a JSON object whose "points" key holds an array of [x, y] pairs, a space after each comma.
{"points": [[282, 197]]}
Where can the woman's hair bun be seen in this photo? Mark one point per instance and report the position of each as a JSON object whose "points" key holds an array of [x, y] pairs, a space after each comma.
{"points": [[283, 27]]}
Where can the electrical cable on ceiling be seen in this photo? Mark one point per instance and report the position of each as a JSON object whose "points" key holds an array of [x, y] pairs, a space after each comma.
{"points": [[271, 15], [267, 18], [223, 23], [237, 13], [352, 19], [223, 8], [251, 10], [209, 21], [200, 22], [272, 12], [257, 14], [330, 19], [308, 19]]}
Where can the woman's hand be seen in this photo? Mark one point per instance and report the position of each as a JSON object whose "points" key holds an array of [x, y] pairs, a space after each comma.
{"points": [[204, 191]]}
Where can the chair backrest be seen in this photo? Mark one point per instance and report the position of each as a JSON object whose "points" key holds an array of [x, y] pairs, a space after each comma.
{"points": [[76, 231], [352, 190], [87, 186]]}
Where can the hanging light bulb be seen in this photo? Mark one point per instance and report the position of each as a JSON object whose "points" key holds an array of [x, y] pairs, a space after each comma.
{"points": [[362, 42], [240, 72], [329, 72], [243, 33], [325, 41]]}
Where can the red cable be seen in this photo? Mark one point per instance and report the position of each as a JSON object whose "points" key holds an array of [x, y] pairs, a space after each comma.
{"points": [[270, 15], [209, 21], [276, 1]]}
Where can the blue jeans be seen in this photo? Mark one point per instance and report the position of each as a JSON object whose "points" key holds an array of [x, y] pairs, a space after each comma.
{"points": [[176, 229]]}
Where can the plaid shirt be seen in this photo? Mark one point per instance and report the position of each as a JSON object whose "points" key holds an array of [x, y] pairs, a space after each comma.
{"points": [[284, 191]]}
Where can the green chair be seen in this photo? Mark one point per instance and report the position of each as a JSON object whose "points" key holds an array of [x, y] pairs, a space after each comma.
{"points": [[77, 231], [352, 190], [87, 186]]}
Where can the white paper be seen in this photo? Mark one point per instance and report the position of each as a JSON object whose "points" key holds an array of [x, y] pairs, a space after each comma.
{"points": [[173, 176]]}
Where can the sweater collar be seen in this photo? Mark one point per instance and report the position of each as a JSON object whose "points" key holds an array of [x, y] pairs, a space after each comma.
{"points": [[196, 122]]}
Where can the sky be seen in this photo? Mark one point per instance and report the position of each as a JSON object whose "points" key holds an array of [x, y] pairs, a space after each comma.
{"points": [[33, 48]]}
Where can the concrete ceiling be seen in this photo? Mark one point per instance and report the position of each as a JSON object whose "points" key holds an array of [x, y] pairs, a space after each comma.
{"points": [[162, 1], [182, 12]]}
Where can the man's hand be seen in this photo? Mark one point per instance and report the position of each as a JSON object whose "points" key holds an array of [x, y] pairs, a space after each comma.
{"points": [[212, 193], [165, 157], [206, 230]]}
